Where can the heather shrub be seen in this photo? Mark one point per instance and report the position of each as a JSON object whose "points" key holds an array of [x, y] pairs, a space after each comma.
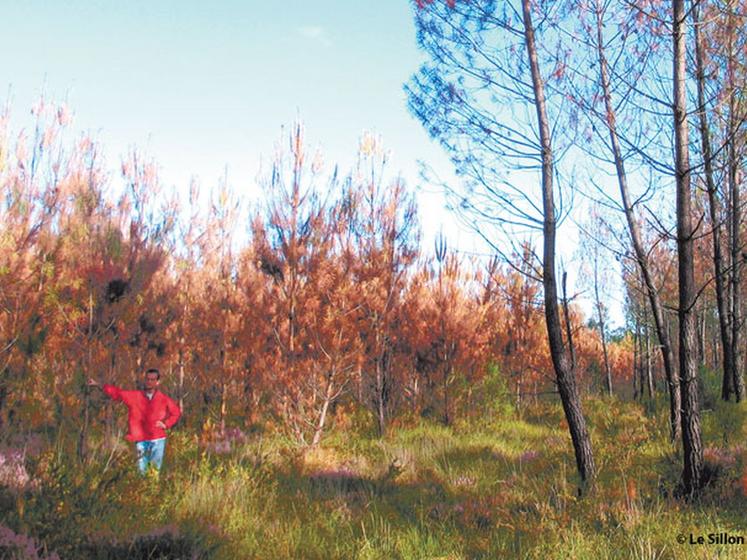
{"points": [[14, 546]]}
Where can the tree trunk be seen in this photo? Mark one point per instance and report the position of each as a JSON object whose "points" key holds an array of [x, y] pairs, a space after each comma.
{"points": [[380, 396], [568, 329], [701, 337], [249, 399], [602, 334], [223, 391], [715, 215], [691, 433], [649, 375], [564, 372], [640, 253], [447, 377], [736, 263], [83, 435], [636, 358], [181, 376], [109, 416], [323, 414]]}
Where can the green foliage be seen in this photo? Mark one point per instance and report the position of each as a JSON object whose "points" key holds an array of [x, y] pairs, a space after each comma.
{"points": [[503, 487], [63, 499], [710, 385], [725, 424], [492, 400]]}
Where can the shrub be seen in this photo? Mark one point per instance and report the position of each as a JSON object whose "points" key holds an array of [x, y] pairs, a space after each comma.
{"points": [[14, 546]]}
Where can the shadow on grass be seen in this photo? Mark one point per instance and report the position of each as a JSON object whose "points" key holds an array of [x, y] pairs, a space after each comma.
{"points": [[471, 455], [357, 489], [168, 543], [442, 494]]}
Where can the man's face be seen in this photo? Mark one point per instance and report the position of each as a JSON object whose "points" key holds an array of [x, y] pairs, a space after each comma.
{"points": [[151, 381]]}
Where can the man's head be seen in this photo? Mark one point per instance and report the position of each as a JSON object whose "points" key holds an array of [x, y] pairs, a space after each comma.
{"points": [[152, 379]]}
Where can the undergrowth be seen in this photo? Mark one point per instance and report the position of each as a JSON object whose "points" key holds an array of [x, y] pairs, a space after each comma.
{"points": [[500, 487]]}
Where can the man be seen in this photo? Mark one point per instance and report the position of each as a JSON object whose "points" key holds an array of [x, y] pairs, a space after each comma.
{"points": [[151, 413]]}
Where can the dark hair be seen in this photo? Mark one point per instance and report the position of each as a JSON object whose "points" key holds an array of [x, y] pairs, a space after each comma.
{"points": [[153, 370]]}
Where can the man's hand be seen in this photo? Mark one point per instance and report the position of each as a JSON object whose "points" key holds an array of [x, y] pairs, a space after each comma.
{"points": [[92, 382], [160, 424]]}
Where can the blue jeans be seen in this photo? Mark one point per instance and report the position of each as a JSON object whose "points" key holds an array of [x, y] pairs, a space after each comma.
{"points": [[150, 453]]}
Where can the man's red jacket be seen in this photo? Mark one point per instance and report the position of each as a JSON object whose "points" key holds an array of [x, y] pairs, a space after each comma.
{"points": [[144, 412]]}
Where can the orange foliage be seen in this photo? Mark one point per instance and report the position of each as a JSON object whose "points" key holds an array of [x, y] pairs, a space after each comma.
{"points": [[328, 306]]}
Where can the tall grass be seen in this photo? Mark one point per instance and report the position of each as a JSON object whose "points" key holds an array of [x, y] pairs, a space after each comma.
{"points": [[503, 487]]}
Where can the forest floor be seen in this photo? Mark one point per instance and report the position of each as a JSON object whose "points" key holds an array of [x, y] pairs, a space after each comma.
{"points": [[501, 487]]}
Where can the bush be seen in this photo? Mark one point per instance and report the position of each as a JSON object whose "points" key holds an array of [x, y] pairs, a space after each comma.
{"points": [[64, 498], [14, 546], [491, 399], [725, 422]]}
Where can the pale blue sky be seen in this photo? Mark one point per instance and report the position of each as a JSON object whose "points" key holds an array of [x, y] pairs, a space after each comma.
{"points": [[202, 85]]}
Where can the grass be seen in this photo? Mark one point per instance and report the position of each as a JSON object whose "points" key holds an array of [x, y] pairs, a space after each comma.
{"points": [[503, 488]]}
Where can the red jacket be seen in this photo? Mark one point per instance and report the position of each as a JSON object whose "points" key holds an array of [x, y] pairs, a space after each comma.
{"points": [[144, 413]]}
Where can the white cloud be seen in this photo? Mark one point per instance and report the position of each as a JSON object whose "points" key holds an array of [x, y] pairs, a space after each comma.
{"points": [[315, 33]]}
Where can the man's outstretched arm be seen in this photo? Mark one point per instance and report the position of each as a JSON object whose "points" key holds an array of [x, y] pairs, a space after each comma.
{"points": [[112, 391]]}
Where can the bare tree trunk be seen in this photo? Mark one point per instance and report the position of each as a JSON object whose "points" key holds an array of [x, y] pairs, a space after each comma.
{"points": [[649, 375], [701, 337], [223, 407], [108, 409], [181, 376], [735, 216], [564, 372], [602, 334], [359, 383], [715, 215], [736, 263], [640, 253], [447, 379], [381, 390], [223, 395], [323, 414], [636, 358], [691, 433], [714, 351], [249, 398], [518, 392], [568, 329], [83, 435]]}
